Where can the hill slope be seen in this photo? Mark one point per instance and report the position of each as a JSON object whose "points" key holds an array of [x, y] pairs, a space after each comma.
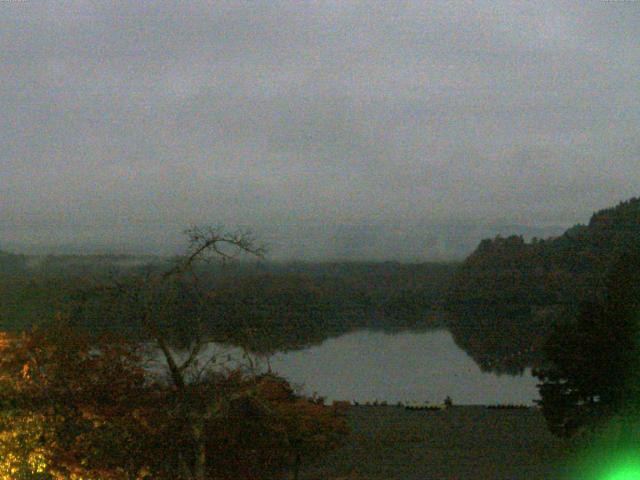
{"points": [[508, 292]]}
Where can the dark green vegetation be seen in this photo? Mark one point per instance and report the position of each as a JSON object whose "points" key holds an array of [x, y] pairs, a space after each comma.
{"points": [[592, 368], [567, 306], [11, 264], [509, 293], [500, 303], [388, 443], [77, 398], [265, 307], [294, 306]]}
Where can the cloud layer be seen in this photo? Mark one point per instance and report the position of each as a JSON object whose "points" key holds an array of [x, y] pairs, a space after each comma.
{"points": [[160, 114]]}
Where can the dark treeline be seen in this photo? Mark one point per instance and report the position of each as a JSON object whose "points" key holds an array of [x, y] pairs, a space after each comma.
{"points": [[510, 305], [509, 293], [283, 305], [591, 370], [12, 264], [500, 303], [295, 305]]}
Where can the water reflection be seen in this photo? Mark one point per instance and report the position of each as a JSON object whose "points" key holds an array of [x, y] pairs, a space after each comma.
{"points": [[408, 366], [365, 365]]}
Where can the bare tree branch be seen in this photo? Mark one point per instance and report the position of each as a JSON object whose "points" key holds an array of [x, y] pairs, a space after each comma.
{"points": [[208, 241]]}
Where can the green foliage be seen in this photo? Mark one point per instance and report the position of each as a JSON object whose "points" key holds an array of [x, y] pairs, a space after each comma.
{"points": [[508, 293], [592, 368], [283, 306], [28, 300], [11, 264], [266, 313]]}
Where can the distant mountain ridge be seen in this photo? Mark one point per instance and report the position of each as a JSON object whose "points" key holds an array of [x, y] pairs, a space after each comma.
{"points": [[314, 242]]}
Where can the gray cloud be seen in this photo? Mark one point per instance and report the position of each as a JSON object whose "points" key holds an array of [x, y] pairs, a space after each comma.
{"points": [[147, 114]]}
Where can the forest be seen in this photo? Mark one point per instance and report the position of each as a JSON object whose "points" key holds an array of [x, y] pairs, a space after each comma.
{"points": [[499, 302], [74, 326], [291, 304], [509, 293], [80, 397]]}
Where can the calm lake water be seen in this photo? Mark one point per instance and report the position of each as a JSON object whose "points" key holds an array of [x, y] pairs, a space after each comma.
{"points": [[424, 366], [409, 366]]}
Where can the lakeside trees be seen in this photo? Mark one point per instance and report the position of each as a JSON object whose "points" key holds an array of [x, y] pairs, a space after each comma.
{"points": [[263, 306], [11, 264], [508, 294], [592, 369], [74, 399], [74, 408]]}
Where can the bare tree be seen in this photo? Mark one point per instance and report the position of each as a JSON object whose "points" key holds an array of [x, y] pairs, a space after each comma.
{"points": [[206, 244], [156, 303]]}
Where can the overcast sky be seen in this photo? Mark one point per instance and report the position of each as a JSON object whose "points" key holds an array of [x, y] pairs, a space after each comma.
{"points": [[174, 113]]}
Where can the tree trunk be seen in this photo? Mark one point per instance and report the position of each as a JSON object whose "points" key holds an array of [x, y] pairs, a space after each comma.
{"points": [[185, 471], [200, 450], [176, 374], [296, 467]]}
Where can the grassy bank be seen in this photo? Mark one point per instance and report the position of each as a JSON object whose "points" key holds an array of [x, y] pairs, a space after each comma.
{"points": [[460, 443]]}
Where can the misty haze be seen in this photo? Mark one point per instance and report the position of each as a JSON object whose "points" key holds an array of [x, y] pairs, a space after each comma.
{"points": [[319, 240]]}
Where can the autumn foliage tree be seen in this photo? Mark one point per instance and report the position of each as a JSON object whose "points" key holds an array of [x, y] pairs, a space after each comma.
{"points": [[77, 404], [71, 408]]}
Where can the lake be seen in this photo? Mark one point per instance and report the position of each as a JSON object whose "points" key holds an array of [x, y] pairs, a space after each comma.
{"points": [[408, 366], [365, 365]]}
